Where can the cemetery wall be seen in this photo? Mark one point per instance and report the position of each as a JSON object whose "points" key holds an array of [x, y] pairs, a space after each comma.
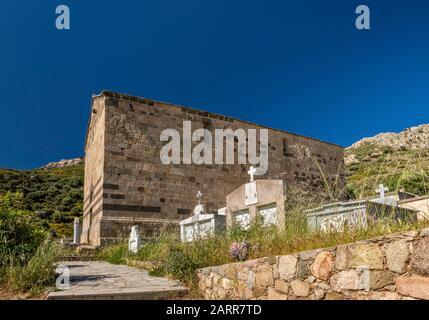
{"points": [[391, 267], [137, 189]]}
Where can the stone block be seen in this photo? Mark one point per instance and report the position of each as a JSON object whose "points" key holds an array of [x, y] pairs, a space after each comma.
{"points": [[231, 271], [345, 280], [287, 267], [323, 265], [380, 278], [369, 255], [281, 285], [243, 274], [420, 261], [318, 294], [273, 294], [397, 256], [413, 286], [334, 296], [341, 257], [227, 284], [303, 268], [264, 277], [250, 282], [300, 288]]}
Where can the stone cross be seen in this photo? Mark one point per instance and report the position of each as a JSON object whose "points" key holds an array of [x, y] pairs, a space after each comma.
{"points": [[199, 196], [76, 231], [381, 189], [251, 172]]}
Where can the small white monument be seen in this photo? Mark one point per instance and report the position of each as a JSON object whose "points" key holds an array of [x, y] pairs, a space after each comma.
{"points": [[134, 240], [76, 231], [381, 190], [200, 224], [251, 194]]}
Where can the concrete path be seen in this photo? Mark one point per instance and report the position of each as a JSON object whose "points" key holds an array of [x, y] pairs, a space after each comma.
{"points": [[102, 280]]}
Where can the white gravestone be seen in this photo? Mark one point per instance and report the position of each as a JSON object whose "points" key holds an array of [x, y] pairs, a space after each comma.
{"points": [[134, 240], [189, 233], [381, 191], [269, 215], [199, 208], [76, 234], [242, 218], [251, 194]]}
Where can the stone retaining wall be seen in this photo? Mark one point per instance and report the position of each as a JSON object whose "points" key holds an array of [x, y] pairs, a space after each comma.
{"points": [[391, 267]]}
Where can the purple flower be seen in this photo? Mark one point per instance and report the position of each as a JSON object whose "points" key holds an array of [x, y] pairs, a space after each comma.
{"points": [[239, 250]]}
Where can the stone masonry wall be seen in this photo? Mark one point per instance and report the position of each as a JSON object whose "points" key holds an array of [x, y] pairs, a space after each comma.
{"points": [[137, 189], [391, 267], [94, 170]]}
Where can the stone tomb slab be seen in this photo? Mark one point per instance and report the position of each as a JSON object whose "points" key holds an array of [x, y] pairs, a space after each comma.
{"points": [[97, 280], [200, 226]]}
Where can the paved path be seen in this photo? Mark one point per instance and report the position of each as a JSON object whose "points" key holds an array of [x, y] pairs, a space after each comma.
{"points": [[102, 280]]}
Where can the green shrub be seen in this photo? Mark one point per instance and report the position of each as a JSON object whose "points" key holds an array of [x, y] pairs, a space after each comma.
{"points": [[116, 253], [38, 273], [20, 236]]}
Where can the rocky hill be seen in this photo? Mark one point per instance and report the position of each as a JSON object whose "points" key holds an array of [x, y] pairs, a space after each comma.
{"points": [[399, 160], [64, 163], [411, 138]]}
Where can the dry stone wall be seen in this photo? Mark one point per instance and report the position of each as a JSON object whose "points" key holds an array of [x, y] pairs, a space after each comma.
{"points": [[391, 267]]}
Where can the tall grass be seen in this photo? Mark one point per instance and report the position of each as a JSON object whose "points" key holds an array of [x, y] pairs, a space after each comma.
{"points": [[27, 257], [36, 274]]}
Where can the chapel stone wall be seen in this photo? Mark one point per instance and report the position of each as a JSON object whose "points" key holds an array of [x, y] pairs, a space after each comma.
{"points": [[138, 188]]}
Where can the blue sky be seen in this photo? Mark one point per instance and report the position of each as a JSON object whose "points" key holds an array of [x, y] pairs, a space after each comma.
{"points": [[301, 66]]}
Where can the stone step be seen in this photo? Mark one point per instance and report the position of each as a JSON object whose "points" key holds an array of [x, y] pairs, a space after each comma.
{"points": [[120, 294]]}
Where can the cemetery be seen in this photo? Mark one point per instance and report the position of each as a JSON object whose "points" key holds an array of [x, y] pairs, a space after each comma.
{"points": [[239, 268]]}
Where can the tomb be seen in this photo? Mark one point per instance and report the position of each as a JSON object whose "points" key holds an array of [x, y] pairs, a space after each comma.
{"points": [[257, 198], [201, 224], [76, 231], [334, 217], [134, 240]]}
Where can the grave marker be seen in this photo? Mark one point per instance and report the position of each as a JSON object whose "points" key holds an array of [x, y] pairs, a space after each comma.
{"points": [[134, 240]]}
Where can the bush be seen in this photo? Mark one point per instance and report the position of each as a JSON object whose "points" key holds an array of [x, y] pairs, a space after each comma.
{"points": [[116, 253], [38, 273], [20, 236]]}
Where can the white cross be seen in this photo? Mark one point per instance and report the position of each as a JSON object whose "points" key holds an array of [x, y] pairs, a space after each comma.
{"points": [[252, 172], [381, 189], [199, 196]]}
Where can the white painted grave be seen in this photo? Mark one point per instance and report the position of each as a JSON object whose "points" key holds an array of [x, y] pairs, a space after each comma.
{"points": [[242, 218], [134, 240], [269, 215], [201, 225], [76, 231]]}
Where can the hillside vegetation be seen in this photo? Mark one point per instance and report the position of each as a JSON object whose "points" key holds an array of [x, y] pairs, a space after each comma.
{"points": [[399, 160], [54, 195]]}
